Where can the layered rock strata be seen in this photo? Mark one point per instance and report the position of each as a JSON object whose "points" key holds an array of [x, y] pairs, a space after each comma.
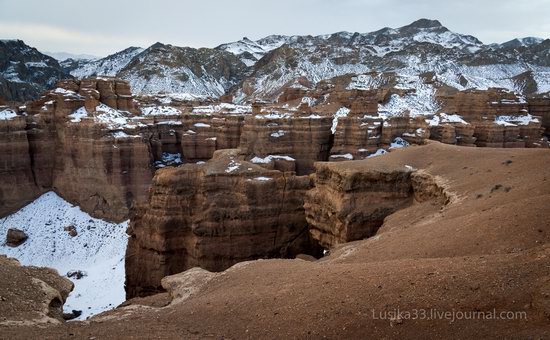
{"points": [[350, 203], [74, 140], [302, 140], [18, 185], [212, 216]]}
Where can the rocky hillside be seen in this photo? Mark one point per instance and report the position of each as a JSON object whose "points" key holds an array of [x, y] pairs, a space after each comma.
{"points": [[108, 66], [267, 66], [25, 72], [167, 68], [412, 51]]}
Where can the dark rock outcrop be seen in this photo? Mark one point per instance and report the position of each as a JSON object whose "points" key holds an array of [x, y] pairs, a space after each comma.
{"points": [[25, 72]]}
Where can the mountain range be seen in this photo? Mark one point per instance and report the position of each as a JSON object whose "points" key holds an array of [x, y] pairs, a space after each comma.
{"points": [[263, 68]]}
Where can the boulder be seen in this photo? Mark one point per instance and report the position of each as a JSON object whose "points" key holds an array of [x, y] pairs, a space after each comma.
{"points": [[15, 237]]}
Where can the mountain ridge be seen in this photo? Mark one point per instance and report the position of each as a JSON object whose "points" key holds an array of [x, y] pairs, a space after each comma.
{"points": [[261, 69]]}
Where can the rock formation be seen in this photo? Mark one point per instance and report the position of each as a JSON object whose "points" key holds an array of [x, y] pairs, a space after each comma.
{"points": [[350, 200], [17, 179], [474, 239], [31, 296], [15, 237], [73, 142], [348, 205], [212, 216], [540, 106], [301, 139]]}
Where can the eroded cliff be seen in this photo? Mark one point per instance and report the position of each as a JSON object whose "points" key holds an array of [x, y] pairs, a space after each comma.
{"points": [[214, 215]]}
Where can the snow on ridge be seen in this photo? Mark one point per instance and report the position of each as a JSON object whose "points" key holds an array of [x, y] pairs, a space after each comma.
{"points": [[98, 250], [348, 156], [257, 48], [160, 111], [420, 102], [76, 117], [223, 107], [169, 97], [104, 114], [516, 120], [445, 118]]}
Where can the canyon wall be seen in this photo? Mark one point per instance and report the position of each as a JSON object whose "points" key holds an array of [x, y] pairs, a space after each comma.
{"points": [[350, 200], [214, 215], [16, 174], [98, 147], [351, 204], [305, 139]]}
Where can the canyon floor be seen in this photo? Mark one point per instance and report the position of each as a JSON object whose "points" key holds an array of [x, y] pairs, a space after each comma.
{"points": [[484, 251]]}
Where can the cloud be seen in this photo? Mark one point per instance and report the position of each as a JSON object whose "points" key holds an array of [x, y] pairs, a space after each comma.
{"points": [[107, 26], [53, 38]]}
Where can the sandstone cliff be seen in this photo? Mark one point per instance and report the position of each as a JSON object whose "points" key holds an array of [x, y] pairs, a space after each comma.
{"points": [[17, 179], [213, 216]]}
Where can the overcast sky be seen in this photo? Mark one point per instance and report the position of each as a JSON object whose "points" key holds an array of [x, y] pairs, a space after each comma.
{"points": [[101, 27]]}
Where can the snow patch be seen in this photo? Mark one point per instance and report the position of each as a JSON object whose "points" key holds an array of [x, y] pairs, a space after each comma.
{"points": [[278, 134], [232, 166], [160, 111], [7, 114], [270, 158], [98, 249], [342, 112], [346, 156], [399, 143], [201, 125]]}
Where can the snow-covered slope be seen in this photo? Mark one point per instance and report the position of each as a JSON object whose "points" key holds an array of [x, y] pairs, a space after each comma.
{"points": [[108, 66], [263, 68], [167, 69], [520, 42], [98, 250]]}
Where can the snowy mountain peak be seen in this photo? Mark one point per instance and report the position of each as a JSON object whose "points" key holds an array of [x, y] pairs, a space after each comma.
{"points": [[25, 72]]}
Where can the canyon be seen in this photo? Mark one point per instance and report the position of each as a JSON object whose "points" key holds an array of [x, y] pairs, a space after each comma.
{"points": [[210, 184], [293, 186]]}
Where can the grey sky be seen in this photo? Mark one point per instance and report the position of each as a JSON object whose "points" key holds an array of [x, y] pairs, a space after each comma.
{"points": [[101, 27]]}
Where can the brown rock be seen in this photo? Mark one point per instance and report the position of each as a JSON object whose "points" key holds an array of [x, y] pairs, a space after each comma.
{"points": [[304, 139], [351, 205], [15, 237], [71, 230], [32, 296], [213, 216], [17, 184]]}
